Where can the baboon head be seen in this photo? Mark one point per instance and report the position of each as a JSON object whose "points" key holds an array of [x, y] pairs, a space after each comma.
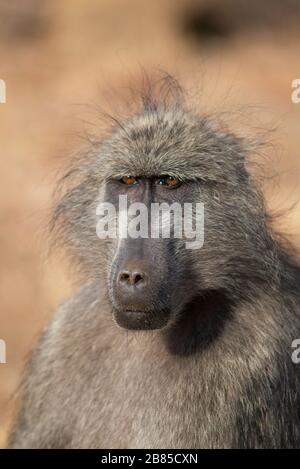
{"points": [[166, 153]]}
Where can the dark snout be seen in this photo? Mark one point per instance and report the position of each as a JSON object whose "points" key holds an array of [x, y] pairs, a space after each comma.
{"points": [[133, 285], [137, 279]]}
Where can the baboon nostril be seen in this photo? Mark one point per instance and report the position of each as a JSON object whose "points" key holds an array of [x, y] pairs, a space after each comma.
{"points": [[131, 278], [124, 277], [137, 278]]}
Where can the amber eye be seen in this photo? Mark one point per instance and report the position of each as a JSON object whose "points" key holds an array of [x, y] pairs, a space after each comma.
{"points": [[129, 180], [169, 181]]}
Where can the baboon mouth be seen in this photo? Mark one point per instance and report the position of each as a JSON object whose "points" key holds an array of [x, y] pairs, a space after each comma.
{"points": [[135, 311], [137, 319]]}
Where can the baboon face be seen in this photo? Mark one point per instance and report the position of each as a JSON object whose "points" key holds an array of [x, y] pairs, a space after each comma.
{"points": [[164, 158]]}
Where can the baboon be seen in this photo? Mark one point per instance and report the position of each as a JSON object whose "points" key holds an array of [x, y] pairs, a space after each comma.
{"points": [[164, 346]]}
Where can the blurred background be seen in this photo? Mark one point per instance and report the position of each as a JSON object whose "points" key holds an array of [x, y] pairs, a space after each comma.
{"points": [[58, 56]]}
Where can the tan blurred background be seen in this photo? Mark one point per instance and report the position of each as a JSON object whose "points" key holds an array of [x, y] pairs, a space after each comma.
{"points": [[56, 55]]}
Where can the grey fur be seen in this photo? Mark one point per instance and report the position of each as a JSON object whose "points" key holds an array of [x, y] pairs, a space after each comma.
{"points": [[220, 382]]}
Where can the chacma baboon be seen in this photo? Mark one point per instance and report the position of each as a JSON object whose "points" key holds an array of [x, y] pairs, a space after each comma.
{"points": [[165, 346]]}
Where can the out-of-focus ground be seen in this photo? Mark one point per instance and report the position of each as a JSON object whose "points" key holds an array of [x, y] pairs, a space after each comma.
{"points": [[57, 54]]}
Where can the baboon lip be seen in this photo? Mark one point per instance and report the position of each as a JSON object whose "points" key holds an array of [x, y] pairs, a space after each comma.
{"points": [[135, 311]]}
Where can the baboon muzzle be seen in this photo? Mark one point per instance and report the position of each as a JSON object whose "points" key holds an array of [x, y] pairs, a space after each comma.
{"points": [[137, 276]]}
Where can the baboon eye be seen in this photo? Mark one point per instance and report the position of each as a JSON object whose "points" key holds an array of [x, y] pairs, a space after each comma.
{"points": [[169, 181], [129, 180]]}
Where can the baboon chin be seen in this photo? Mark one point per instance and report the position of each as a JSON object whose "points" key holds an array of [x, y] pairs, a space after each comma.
{"points": [[210, 364]]}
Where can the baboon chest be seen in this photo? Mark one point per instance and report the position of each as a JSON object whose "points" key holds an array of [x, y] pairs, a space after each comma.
{"points": [[135, 400]]}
